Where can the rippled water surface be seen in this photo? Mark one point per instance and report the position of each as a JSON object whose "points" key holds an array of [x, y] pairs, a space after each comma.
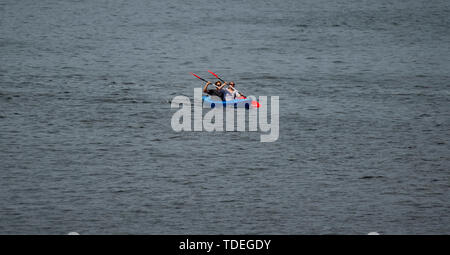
{"points": [[86, 143]]}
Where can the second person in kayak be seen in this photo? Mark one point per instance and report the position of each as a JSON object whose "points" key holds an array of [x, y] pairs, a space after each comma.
{"points": [[231, 93]]}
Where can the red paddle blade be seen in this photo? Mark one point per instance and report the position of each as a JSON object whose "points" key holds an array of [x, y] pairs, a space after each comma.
{"points": [[256, 104], [214, 74], [195, 75]]}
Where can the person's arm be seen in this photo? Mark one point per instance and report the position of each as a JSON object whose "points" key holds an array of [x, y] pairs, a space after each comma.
{"points": [[206, 86], [238, 94], [221, 86]]}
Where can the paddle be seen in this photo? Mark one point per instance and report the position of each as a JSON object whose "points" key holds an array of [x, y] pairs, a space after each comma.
{"points": [[224, 81], [199, 77], [202, 79], [216, 75]]}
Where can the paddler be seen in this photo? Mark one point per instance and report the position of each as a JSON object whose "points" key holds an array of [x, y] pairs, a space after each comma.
{"points": [[218, 91], [231, 93]]}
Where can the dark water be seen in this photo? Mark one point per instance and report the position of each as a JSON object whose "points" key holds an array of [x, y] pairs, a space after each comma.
{"points": [[86, 143]]}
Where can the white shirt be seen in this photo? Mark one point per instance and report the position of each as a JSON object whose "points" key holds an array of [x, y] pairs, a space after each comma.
{"points": [[230, 95]]}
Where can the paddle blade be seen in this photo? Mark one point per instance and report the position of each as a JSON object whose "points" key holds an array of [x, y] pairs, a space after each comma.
{"points": [[255, 104], [198, 77], [214, 74], [195, 75]]}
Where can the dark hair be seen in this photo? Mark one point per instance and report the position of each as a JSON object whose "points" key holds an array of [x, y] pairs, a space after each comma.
{"points": [[217, 82]]}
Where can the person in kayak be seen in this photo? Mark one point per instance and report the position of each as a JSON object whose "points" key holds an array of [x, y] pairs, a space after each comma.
{"points": [[231, 93], [218, 91]]}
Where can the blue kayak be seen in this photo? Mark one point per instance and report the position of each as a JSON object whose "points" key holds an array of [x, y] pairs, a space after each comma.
{"points": [[247, 102]]}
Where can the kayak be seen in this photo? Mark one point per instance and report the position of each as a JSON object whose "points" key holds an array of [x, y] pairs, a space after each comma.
{"points": [[236, 103]]}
